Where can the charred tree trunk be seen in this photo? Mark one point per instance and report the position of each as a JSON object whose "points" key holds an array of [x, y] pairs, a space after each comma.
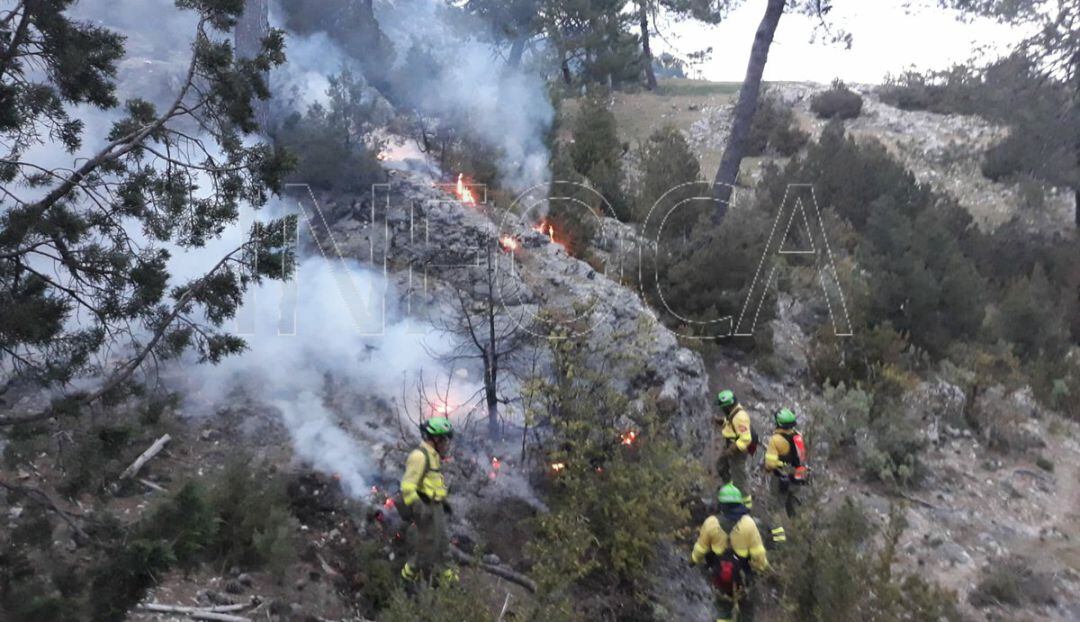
{"points": [[491, 358], [567, 78], [646, 51], [745, 109], [252, 27]]}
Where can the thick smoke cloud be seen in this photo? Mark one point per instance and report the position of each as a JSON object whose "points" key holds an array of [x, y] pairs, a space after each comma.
{"points": [[328, 342], [469, 84], [506, 108]]}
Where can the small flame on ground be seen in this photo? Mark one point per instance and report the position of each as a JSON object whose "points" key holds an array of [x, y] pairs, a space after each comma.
{"points": [[496, 464], [558, 466], [464, 194], [441, 408], [627, 438], [508, 243], [546, 228]]}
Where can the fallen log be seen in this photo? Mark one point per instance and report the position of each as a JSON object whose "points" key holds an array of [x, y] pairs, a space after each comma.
{"points": [[465, 559], [145, 457], [159, 608], [151, 485]]}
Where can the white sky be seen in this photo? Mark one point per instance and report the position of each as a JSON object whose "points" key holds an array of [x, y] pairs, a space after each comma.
{"points": [[886, 40]]}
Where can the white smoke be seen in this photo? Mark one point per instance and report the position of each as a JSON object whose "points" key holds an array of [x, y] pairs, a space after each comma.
{"points": [[505, 107], [309, 333]]}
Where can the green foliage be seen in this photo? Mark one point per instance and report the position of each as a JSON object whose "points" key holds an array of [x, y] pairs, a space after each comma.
{"points": [[669, 169], [916, 249], [834, 573], [688, 289], [255, 526], [331, 142], [839, 102], [445, 603], [613, 503], [1031, 316], [185, 523], [775, 130], [873, 432], [573, 206], [596, 152], [593, 42], [243, 519], [75, 281], [954, 91]]}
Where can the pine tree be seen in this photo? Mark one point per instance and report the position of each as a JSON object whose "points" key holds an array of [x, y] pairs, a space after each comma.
{"points": [[83, 270]]}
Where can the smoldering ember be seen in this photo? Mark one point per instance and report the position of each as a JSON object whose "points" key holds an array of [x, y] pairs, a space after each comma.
{"points": [[539, 310]]}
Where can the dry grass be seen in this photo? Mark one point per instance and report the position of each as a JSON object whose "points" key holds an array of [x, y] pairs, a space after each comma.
{"points": [[676, 101]]}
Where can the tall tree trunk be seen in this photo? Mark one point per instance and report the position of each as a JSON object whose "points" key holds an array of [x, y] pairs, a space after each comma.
{"points": [[745, 109], [646, 51], [516, 50], [566, 72]]}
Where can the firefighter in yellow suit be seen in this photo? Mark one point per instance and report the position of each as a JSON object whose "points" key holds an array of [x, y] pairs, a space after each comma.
{"points": [[732, 546], [738, 443], [785, 459], [423, 495]]}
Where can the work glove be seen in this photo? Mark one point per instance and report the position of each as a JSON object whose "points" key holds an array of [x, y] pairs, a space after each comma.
{"points": [[423, 497]]}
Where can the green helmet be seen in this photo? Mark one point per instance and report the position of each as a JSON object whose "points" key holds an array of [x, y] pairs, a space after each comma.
{"points": [[726, 399], [730, 494], [785, 418], [437, 427]]}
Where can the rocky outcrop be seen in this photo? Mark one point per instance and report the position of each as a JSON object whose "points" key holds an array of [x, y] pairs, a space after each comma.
{"points": [[423, 230], [944, 151]]}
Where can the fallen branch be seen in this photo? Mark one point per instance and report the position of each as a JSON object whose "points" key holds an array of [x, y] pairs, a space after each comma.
{"points": [[514, 577], [217, 617], [506, 603], [159, 608], [151, 485], [145, 457]]}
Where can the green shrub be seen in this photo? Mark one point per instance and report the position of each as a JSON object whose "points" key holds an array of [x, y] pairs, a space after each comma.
{"points": [[604, 543], [447, 603], [954, 91], [1011, 583], [775, 130], [255, 526], [331, 142], [1030, 316], [669, 169], [597, 152], [691, 294], [186, 521], [835, 572], [839, 102], [917, 249]]}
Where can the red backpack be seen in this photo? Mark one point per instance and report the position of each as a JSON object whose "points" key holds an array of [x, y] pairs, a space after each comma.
{"points": [[797, 459], [728, 569]]}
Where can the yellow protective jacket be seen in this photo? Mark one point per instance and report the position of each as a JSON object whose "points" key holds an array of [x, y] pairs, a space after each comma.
{"points": [[736, 429], [423, 475], [778, 452], [745, 540]]}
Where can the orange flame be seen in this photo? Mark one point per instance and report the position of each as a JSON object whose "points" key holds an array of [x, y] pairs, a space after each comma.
{"points": [[558, 466], [545, 227], [464, 194], [509, 243], [441, 408], [628, 437]]}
